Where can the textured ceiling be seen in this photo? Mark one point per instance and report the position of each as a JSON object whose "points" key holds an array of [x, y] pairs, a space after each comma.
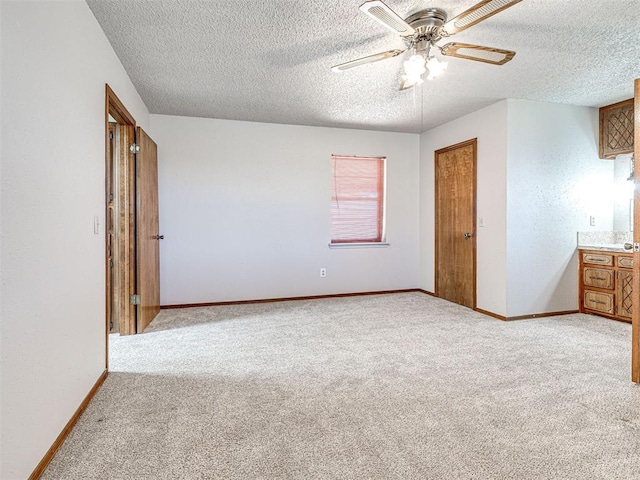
{"points": [[269, 61]]}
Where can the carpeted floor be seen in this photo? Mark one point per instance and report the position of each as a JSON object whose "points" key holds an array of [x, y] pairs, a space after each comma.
{"points": [[401, 386]]}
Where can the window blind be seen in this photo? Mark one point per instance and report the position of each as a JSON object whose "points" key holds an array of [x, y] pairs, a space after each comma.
{"points": [[357, 199]]}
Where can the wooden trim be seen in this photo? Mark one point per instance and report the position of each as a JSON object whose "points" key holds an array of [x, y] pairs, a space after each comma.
{"points": [[107, 178], [287, 299], [41, 467], [475, 221], [426, 292], [491, 314], [580, 282], [524, 317], [541, 315], [117, 108], [474, 143], [635, 328]]}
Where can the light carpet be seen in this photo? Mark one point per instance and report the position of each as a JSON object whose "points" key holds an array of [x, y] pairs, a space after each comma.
{"points": [[401, 386]]}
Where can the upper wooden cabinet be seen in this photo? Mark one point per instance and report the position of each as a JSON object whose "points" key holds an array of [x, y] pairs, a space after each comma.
{"points": [[616, 129]]}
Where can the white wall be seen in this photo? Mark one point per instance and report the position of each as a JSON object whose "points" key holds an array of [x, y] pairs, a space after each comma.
{"points": [[555, 183], [55, 63], [489, 126], [221, 183], [244, 208], [539, 181]]}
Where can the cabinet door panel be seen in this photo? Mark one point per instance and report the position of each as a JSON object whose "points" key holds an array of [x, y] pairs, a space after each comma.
{"points": [[624, 293], [616, 129]]}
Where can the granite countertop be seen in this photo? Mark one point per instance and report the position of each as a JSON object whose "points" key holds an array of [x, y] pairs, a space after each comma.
{"points": [[605, 247], [607, 241]]}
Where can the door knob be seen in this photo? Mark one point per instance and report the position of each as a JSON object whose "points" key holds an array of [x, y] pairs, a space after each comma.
{"points": [[468, 235], [159, 237]]}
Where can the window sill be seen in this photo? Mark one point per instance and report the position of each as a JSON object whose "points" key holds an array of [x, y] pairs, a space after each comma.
{"points": [[360, 245]]}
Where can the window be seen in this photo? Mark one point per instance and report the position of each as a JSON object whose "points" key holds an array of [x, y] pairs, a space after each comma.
{"points": [[357, 199]]}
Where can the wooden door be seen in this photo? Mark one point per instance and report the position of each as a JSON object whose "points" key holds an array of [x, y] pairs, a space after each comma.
{"points": [[147, 231], [635, 330], [455, 207]]}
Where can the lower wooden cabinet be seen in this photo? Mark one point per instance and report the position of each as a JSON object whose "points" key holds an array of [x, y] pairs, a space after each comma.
{"points": [[606, 284]]}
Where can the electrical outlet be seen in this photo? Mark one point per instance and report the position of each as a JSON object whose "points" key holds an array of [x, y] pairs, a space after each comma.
{"points": [[323, 272], [592, 221]]}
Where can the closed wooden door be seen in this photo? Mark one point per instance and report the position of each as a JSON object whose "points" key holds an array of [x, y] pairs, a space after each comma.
{"points": [[147, 231], [455, 207]]}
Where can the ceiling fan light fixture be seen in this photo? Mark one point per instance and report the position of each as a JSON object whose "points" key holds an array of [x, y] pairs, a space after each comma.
{"points": [[435, 67], [423, 30], [413, 69]]}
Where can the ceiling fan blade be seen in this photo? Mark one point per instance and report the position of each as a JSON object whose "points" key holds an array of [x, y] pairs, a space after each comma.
{"points": [[494, 56], [364, 60], [476, 14], [380, 12]]}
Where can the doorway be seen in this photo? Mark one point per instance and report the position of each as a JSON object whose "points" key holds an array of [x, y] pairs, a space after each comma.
{"points": [[119, 217], [132, 265], [455, 227]]}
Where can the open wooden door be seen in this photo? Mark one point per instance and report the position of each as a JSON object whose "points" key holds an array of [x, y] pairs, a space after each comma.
{"points": [[635, 329], [147, 231], [120, 268], [455, 214]]}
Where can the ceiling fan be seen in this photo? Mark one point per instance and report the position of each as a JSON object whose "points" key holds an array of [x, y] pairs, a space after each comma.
{"points": [[421, 32]]}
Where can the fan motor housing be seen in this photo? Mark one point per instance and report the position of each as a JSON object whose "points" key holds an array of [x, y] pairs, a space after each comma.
{"points": [[427, 20]]}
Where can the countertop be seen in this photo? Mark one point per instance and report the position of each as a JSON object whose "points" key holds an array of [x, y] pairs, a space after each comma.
{"points": [[605, 247]]}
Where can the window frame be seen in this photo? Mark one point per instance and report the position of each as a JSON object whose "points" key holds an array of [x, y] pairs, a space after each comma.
{"points": [[381, 198]]}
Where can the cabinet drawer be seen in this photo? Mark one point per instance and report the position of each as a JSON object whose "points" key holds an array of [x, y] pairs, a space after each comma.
{"points": [[625, 262], [598, 277], [597, 259], [602, 302]]}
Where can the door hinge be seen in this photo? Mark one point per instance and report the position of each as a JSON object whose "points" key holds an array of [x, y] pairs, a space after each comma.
{"points": [[134, 148], [110, 135], [111, 197], [636, 247], [135, 299]]}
